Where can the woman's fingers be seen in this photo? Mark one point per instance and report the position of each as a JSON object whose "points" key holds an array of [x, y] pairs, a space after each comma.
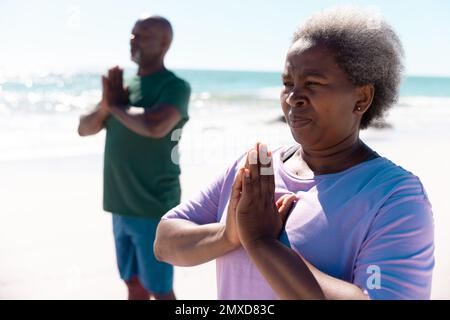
{"points": [[253, 165], [271, 175], [258, 164], [247, 187], [247, 162], [284, 205], [266, 172], [280, 201], [236, 189], [231, 227]]}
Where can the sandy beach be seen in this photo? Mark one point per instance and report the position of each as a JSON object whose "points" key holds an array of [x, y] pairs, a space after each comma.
{"points": [[56, 242]]}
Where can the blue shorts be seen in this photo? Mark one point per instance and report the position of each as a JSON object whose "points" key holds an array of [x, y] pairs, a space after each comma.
{"points": [[134, 239]]}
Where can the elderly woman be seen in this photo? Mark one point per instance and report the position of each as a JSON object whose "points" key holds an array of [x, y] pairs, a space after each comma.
{"points": [[326, 218]]}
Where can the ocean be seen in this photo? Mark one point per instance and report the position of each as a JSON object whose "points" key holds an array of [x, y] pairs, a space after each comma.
{"points": [[39, 113], [50, 93]]}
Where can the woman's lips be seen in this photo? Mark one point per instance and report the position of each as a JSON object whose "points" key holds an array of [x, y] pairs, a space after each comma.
{"points": [[298, 122]]}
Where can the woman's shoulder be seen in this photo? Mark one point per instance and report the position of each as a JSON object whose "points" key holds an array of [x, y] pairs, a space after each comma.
{"points": [[402, 183], [384, 183], [387, 170]]}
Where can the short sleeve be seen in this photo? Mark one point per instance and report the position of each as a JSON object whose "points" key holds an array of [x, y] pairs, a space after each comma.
{"points": [[204, 207], [396, 259], [176, 93]]}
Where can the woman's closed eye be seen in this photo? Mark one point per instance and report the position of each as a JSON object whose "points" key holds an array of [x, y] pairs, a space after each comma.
{"points": [[312, 83]]}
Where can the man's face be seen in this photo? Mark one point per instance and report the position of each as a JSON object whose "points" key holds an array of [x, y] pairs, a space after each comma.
{"points": [[147, 42], [317, 97]]}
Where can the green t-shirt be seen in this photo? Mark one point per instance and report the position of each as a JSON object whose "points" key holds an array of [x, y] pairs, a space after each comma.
{"points": [[140, 178]]}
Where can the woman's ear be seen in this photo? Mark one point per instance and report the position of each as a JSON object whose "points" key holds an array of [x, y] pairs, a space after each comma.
{"points": [[365, 97]]}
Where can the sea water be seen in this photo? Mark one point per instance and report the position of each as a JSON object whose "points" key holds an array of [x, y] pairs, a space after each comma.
{"points": [[39, 113]]}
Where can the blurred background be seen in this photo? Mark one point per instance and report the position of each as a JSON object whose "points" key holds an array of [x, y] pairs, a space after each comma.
{"points": [[55, 240]]}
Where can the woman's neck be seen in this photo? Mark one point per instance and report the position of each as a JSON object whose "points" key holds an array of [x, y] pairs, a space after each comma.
{"points": [[345, 154]]}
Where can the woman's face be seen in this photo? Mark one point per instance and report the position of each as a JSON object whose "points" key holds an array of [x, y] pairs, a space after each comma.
{"points": [[318, 100]]}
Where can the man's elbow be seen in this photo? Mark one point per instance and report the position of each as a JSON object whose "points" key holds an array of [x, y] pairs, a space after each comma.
{"points": [[83, 129], [82, 132], [86, 130]]}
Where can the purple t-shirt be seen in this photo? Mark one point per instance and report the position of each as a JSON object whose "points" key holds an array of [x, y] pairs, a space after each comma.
{"points": [[370, 225]]}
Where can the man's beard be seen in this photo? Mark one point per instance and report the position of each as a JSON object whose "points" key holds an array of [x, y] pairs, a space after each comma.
{"points": [[146, 59], [136, 57]]}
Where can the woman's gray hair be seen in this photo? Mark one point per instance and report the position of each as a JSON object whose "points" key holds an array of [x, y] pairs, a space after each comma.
{"points": [[365, 47]]}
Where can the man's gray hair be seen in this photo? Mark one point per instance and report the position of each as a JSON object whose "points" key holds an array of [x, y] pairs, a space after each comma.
{"points": [[365, 47]]}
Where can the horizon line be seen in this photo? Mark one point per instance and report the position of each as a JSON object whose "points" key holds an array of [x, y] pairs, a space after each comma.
{"points": [[9, 72]]}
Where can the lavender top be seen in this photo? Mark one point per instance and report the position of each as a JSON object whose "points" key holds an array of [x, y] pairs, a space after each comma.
{"points": [[370, 225]]}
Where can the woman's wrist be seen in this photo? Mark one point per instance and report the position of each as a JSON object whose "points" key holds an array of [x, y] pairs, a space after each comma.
{"points": [[258, 244], [226, 239]]}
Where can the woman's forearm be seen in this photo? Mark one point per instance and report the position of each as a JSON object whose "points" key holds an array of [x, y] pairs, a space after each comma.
{"points": [[284, 270], [292, 277], [184, 243], [334, 288]]}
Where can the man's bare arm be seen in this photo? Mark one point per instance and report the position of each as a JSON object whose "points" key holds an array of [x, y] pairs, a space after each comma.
{"points": [[156, 122], [152, 124]]}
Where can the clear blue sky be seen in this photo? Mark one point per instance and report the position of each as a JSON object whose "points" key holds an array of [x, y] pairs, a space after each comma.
{"points": [[233, 34]]}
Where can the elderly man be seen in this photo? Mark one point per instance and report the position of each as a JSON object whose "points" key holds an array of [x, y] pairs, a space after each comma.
{"points": [[141, 180]]}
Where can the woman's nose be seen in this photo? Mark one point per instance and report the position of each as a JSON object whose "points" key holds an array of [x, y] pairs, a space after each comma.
{"points": [[296, 98]]}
